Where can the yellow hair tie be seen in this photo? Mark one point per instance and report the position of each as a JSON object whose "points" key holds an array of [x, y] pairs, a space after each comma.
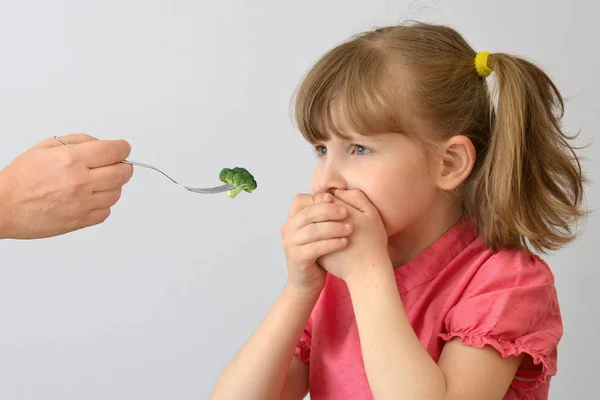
{"points": [[481, 64]]}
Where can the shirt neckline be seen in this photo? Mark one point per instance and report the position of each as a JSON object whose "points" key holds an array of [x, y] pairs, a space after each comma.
{"points": [[431, 261]]}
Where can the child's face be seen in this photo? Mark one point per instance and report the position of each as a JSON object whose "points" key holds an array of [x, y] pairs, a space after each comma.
{"points": [[392, 170]]}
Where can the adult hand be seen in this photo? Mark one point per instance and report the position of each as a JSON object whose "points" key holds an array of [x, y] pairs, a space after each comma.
{"points": [[52, 188]]}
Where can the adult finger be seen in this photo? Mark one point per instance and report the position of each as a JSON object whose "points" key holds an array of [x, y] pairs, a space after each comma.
{"points": [[100, 153], [304, 200], [103, 200], [95, 217], [74, 138], [111, 177]]}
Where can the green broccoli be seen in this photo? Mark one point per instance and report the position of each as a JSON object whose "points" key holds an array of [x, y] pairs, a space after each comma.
{"points": [[238, 177]]}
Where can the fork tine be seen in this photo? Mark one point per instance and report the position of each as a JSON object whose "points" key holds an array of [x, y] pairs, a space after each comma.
{"points": [[212, 190]]}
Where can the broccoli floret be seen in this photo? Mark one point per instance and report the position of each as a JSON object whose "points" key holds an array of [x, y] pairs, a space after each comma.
{"points": [[238, 177]]}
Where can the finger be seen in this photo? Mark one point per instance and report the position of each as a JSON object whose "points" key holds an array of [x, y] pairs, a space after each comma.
{"points": [[314, 250], [100, 153], [109, 178], [354, 198], [322, 231], [320, 213], [74, 138], [304, 200], [96, 217], [103, 200], [323, 198]]}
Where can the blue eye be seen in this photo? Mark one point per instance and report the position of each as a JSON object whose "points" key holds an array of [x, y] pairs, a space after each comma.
{"points": [[361, 150], [321, 150]]}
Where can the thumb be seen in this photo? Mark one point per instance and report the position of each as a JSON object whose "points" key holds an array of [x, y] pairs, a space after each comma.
{"points": [[100, 153], [74, 138]]}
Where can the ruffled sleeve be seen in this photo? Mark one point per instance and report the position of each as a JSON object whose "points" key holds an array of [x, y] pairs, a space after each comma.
{"points": [[511, 305], [303, 345]]}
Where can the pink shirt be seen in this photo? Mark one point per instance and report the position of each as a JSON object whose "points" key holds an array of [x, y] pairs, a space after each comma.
{"points": [[456, 288]]}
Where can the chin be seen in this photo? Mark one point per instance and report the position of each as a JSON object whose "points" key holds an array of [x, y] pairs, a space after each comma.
{"points": [[392, 231]]}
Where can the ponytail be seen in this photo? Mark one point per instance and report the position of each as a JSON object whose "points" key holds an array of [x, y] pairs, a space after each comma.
{"points": [[528, 189]]}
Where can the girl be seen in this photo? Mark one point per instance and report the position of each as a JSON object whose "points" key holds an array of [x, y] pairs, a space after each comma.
{"points": [[411, 267]]}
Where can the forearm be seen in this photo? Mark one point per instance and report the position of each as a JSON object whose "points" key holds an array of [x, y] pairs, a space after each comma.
{"points": [[3, 223], [259, 370], [5, 211], [396, 363]]}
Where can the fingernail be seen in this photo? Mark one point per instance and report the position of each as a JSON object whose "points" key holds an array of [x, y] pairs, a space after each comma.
{"points": [[342, 211], [348, 227]]}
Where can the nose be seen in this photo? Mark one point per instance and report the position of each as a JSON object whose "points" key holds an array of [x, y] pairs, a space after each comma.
{"points": [[328, 177]]}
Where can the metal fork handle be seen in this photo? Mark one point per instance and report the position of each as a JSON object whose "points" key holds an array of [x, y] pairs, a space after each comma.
{"points": [[209, 190]]}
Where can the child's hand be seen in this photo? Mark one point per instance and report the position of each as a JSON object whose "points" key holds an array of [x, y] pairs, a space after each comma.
{"points": [[314, 228], [367, 244]]}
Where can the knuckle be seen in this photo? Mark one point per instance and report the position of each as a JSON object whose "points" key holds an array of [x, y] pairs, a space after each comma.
{"points": [[297, 201], [301, 200], [124, 175], [284, 238], [69, 158], [116, 196], [123, 147], [315, 248], [321, 197], [75, 185], [284, 231], [87, 137], [79, 137], [104, 214]]}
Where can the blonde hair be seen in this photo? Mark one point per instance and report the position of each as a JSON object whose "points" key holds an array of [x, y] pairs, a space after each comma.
{"points": [[526, 188]]}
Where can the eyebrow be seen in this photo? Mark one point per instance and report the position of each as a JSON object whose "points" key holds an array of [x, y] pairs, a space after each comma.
{"points": [[378, 138]]}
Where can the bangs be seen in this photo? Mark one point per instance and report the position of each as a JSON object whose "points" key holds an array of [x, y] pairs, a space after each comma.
{"points": [[358, 79]]}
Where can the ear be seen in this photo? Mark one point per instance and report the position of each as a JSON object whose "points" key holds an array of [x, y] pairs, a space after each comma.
{"points": [[456, 161]]}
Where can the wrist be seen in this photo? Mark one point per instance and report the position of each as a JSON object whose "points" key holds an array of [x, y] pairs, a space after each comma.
{"points": [[370, 273], [307, 294]]}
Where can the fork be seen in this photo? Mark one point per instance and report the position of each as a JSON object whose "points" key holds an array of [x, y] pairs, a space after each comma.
{"points": [[207, 190]]}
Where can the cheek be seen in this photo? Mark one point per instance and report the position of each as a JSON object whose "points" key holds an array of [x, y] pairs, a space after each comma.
{"points": [[402, 200], [314, 186], [314, 180]]}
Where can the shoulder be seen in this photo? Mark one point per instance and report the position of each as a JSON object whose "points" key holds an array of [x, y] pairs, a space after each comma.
{"points": [[515, 289], [510, 270]]}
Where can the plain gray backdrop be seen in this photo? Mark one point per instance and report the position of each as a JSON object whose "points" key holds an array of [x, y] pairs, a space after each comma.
{"points": [[153, 303]]}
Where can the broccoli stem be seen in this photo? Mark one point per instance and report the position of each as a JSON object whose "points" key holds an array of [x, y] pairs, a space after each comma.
{"points": [[235, 191]]}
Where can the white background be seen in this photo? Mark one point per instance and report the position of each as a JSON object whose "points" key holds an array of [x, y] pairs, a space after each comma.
{"points": [[153, 303]]}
